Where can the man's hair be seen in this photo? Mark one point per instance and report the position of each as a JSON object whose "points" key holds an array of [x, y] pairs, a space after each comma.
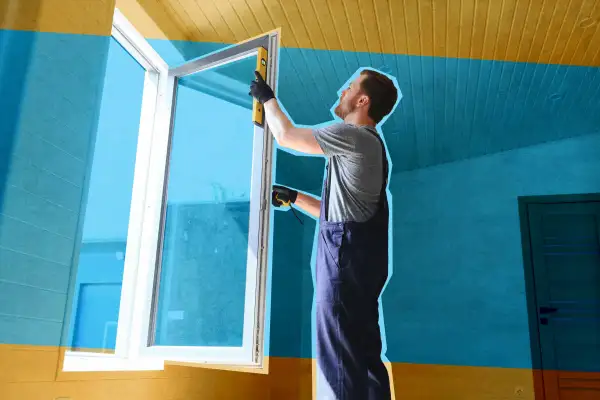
{"points": [[381, 91]]}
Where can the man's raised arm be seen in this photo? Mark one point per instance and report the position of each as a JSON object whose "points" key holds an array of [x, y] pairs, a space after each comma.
{"points": [[285, 132]]}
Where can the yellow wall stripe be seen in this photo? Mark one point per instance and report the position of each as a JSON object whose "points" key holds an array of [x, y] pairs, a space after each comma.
{"points": [[93, 17], [33, 372], [293, 378], [414, 381]]}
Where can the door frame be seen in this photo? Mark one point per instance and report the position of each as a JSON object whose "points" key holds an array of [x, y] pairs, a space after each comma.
{"points": [[530, 290]]}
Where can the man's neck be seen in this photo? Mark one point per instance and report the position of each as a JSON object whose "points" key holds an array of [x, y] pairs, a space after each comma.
{"points": [[359, 120]]}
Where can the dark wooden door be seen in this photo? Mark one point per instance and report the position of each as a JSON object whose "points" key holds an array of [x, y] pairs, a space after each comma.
{"points": [[564, 240]]}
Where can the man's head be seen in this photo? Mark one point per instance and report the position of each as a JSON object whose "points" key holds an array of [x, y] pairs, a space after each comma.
{"points": [[371, 96]]}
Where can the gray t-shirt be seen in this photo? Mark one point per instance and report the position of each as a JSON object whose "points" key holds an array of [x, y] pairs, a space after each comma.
{"points": [[355, 160]]}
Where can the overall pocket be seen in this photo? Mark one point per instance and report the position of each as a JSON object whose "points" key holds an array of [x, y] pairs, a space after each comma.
{"points": [[333, 238]]}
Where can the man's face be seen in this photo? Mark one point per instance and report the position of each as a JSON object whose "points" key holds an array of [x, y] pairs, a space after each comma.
{"points": [[349, 99]]}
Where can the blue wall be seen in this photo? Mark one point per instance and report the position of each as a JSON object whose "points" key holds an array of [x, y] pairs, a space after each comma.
{"points": [[49, 117], [457, 293]]}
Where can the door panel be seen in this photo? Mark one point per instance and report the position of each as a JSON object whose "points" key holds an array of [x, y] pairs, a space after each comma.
{"points": [[565, 245]]}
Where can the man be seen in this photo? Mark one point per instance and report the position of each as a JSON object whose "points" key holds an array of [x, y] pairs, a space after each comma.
{"points": [[352, 250]]}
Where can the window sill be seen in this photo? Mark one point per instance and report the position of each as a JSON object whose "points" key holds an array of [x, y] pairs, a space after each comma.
{"points": [[76, 363], [97, 362], [258, 369]]}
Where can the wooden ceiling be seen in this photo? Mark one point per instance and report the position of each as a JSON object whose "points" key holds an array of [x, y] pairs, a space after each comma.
{"points": [[541, 31]]}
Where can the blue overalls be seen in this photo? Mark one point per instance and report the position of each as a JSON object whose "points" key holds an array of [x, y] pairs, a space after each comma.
{"points": [[351, 270]]}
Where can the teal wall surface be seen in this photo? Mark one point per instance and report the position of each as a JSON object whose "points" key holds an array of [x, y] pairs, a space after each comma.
{"points": [[468, 137], [51, 88], [457, 295], [457, 291]]}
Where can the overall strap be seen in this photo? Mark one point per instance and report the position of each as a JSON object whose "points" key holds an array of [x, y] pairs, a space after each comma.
{"points": [[326, 190], [384, 162]]}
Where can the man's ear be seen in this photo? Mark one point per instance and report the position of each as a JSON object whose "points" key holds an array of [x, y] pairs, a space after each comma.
{"points": [[363, 100]]}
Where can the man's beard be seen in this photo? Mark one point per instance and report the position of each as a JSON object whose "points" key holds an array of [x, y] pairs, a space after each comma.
{"points": [[342, 111]]}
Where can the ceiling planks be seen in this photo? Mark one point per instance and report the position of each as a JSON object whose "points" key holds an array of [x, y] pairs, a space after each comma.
{"points": [[544, 31]]}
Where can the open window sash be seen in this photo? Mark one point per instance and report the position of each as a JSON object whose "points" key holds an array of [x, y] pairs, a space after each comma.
{"points": [[142, 339]]}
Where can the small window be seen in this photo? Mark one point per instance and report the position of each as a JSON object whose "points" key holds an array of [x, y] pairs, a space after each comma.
{"points": [[190, 258]]}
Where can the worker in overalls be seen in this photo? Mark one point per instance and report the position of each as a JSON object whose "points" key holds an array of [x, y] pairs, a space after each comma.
{"points": [[352, 250]]}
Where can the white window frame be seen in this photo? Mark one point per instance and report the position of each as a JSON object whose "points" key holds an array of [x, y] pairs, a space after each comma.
{"points": [[141, 275]]}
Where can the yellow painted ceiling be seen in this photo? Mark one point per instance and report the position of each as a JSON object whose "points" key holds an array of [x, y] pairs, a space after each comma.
{"points": [[541, 31]]}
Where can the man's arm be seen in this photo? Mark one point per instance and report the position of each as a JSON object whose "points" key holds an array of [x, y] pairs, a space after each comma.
{"points": [[284, 131], [286, 134], [309, 204]]}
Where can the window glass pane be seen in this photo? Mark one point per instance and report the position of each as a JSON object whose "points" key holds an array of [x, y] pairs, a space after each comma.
{"points": [[205, 241], [102, 253]]}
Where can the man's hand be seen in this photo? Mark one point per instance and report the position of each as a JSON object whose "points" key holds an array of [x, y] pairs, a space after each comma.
{"points": [[260, 90], [283, 196]]}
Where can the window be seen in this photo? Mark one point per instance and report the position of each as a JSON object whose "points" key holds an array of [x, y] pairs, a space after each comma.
{"points": [[97, 290], [188, 265]]}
